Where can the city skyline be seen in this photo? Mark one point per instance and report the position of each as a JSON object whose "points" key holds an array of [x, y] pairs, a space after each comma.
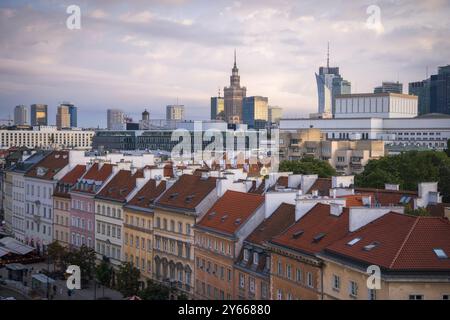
{"points": [[144, 56]]}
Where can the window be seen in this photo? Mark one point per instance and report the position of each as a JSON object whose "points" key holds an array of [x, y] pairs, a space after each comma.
{"points": [[246, 254], [354, 241], [188, 229], [288, 271], [251, 285], [255, 258], [353, 289], [279, 294], [310, 280], [440, 253], [241, 281], [280, 269], [180, 227], [336, 282], [415, 297], [298, 276]]}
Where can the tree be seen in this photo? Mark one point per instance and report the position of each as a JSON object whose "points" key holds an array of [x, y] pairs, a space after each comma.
{"points": [[408, 170], [155, 291], [447, 151], [128, 279], [308, 165], [83, 257], [57, 254], [103, 273], [419, 212]]}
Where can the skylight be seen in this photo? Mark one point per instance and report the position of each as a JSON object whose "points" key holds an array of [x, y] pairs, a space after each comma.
{"points": [[371, 246], [318, 237], [440, 253], [297, 234], [353, 242]]}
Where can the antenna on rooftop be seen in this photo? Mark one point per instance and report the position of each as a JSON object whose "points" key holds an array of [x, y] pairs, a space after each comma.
{"points": [[328, 55]]}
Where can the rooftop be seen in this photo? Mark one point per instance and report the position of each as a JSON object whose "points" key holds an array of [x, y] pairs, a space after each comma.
{"points": [[231, 211], [148, 194], [120, 186], [399, 242], [48, 167], [187, 192]]}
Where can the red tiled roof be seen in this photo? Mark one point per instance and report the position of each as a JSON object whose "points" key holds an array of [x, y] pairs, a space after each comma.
{"points": [[121, 185], [322, 185], [231, 211], [48, 167], [305, 234], [403, 243], [73, 176], [148, 194], [187, 192], [388, 197], [279, 221], [353, 200], [99, 174]]}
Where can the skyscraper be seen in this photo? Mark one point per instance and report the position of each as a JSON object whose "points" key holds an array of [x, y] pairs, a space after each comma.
{"points": [[389, 87], [421, 89], [39, 115], [255, 110], [433, 93], [175, 112], [63, 117], [233, 96], [440, 91], [115, 119], [217, 108], [275, 114], [329, 85], [72, 111], [20, 115]]}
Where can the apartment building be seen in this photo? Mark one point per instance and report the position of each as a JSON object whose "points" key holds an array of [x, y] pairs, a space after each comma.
{"points": [[175, 215], [346, 156], [218, 241], [411, 252], [40, 182], [82, 205], [138, 227], [252, 267], [109, 218], [62, 204]]}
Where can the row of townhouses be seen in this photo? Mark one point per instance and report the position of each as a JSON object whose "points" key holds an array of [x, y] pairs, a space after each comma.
{"points": [[228, 233]]}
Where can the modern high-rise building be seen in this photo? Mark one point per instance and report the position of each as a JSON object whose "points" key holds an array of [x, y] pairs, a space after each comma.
{"points": [[440, 91], [433, 93], [39, 115], [255, 111], [71, 110], [329, 85], [233, 96], [63, 117], [115, 119], [217, 108], [275, 114], [175, 112], [20, 115], [389, 87], [421, 89]]}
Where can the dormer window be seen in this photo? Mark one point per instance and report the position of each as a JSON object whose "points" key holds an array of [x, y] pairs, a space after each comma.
{"points": [[440, 253], [255, 258], [246, 255]]}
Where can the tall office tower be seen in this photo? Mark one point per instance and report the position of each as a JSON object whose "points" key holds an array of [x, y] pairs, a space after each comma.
{"points": [[275, 114], [233, 96], [72, 110], [63, 117], [255, 111], [39, 115], [421, 89], [440, 91], [20, 115], [115, 119], [389, 87], [217, 108], [329, 85], [175, 112]]}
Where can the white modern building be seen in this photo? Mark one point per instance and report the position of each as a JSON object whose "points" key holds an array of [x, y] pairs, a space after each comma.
{"points": [[380, 105], [115, 119], [431, 131], [46, 137]]}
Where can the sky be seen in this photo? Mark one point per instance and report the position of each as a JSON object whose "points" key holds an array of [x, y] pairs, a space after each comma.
{"points": [[146, 54]]}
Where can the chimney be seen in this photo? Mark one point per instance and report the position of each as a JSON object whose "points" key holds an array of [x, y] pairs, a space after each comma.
{"points": [[336, 209]]}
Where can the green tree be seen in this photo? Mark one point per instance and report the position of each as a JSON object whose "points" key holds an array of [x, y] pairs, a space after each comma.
{"points": [[308, 165], [408, 170], [128, 280], [155, 291], [83, 257], [57, 254], [420, 212]]}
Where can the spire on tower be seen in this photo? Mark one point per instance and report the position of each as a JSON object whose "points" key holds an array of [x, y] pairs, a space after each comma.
{"points": [[235, 58], [328, 55]]}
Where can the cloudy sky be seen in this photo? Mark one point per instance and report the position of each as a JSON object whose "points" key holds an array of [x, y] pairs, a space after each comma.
{"points": [[145, 54]]}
